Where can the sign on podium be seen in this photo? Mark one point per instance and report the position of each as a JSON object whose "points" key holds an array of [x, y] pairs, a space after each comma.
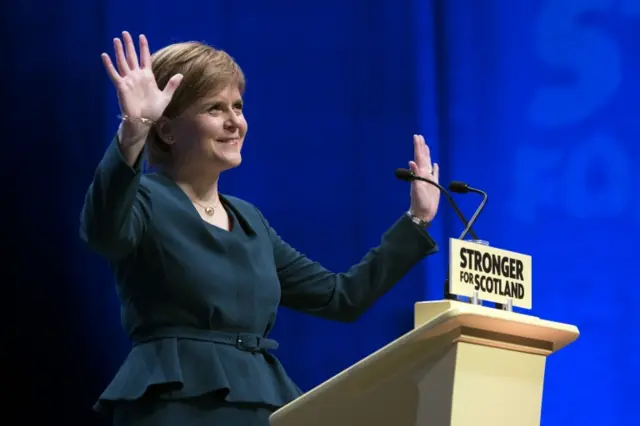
{"points": [[489, 273]]}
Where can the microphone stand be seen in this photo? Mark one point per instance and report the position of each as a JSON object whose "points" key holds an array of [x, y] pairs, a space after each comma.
{"points": [[463, 188]]}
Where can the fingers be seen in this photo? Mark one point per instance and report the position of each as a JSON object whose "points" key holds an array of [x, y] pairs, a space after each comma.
{"points": [[145, 53], [436, 173], [126, 56], [123, 67], [130, 49], [172, 85], [421, 152], [111, 70], [426, 150], [417, 150]]}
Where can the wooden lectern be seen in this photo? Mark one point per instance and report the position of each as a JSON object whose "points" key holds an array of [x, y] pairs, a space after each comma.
{"points": [[461, 365]]}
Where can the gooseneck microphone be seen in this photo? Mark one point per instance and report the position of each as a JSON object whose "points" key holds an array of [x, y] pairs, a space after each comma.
{"points": [[463, 188], [408, 176]]}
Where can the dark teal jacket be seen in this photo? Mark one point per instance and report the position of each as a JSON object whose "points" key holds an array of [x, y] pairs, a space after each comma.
{"points": [[199, 302]]}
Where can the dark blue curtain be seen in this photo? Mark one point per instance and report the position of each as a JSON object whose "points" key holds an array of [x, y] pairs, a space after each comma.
{"points": [[534, 101]]}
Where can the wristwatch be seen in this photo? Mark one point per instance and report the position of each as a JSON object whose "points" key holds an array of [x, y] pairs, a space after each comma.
{"points": [[415, 219]]}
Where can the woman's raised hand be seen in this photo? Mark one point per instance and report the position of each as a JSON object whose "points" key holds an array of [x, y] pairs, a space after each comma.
{"points": [[425, 197], [138, 93]]}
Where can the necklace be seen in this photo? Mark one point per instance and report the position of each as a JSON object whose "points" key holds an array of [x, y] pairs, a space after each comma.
{"points": [[209, 210]]}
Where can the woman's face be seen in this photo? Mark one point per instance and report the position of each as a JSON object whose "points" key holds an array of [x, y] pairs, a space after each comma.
{"points": [[210, 134]]}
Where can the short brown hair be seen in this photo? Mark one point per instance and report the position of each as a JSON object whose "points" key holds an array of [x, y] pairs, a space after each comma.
{"points": [[205, 71]]}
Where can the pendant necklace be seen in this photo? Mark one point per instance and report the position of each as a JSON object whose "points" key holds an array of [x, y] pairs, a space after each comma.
{"points": [[208, 210]]}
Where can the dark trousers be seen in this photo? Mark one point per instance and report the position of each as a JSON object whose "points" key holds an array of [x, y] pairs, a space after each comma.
{"points": [[201, 411]]}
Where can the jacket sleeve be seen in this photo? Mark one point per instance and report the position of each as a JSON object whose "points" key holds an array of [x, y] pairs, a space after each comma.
{"points": [[116, 209], [309, 287]]}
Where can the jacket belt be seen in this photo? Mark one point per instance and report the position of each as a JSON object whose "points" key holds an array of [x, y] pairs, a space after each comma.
{"points": [[250, 342]]}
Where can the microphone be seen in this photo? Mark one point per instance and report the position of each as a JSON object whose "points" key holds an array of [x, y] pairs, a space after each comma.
{"points": [[463, 188], [408, 176]]}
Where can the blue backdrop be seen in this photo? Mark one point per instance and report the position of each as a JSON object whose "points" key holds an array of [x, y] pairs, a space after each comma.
{"points": [[535, 101]]}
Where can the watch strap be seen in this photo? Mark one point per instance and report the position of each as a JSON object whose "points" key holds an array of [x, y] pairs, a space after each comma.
{"points": [[419, 222]]}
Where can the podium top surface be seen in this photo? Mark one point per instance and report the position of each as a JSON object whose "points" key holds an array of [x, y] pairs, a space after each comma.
{"points": [[439, 317]]}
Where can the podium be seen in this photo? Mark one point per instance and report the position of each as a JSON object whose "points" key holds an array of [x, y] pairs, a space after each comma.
{"points": [[461, 365]]}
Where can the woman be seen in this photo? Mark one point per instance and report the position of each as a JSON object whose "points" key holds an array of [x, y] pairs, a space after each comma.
{"points": [[200, 275]]}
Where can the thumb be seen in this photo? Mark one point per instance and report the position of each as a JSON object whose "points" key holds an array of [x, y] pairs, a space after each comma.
{"points": [[413, 167], [172, 85]]}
